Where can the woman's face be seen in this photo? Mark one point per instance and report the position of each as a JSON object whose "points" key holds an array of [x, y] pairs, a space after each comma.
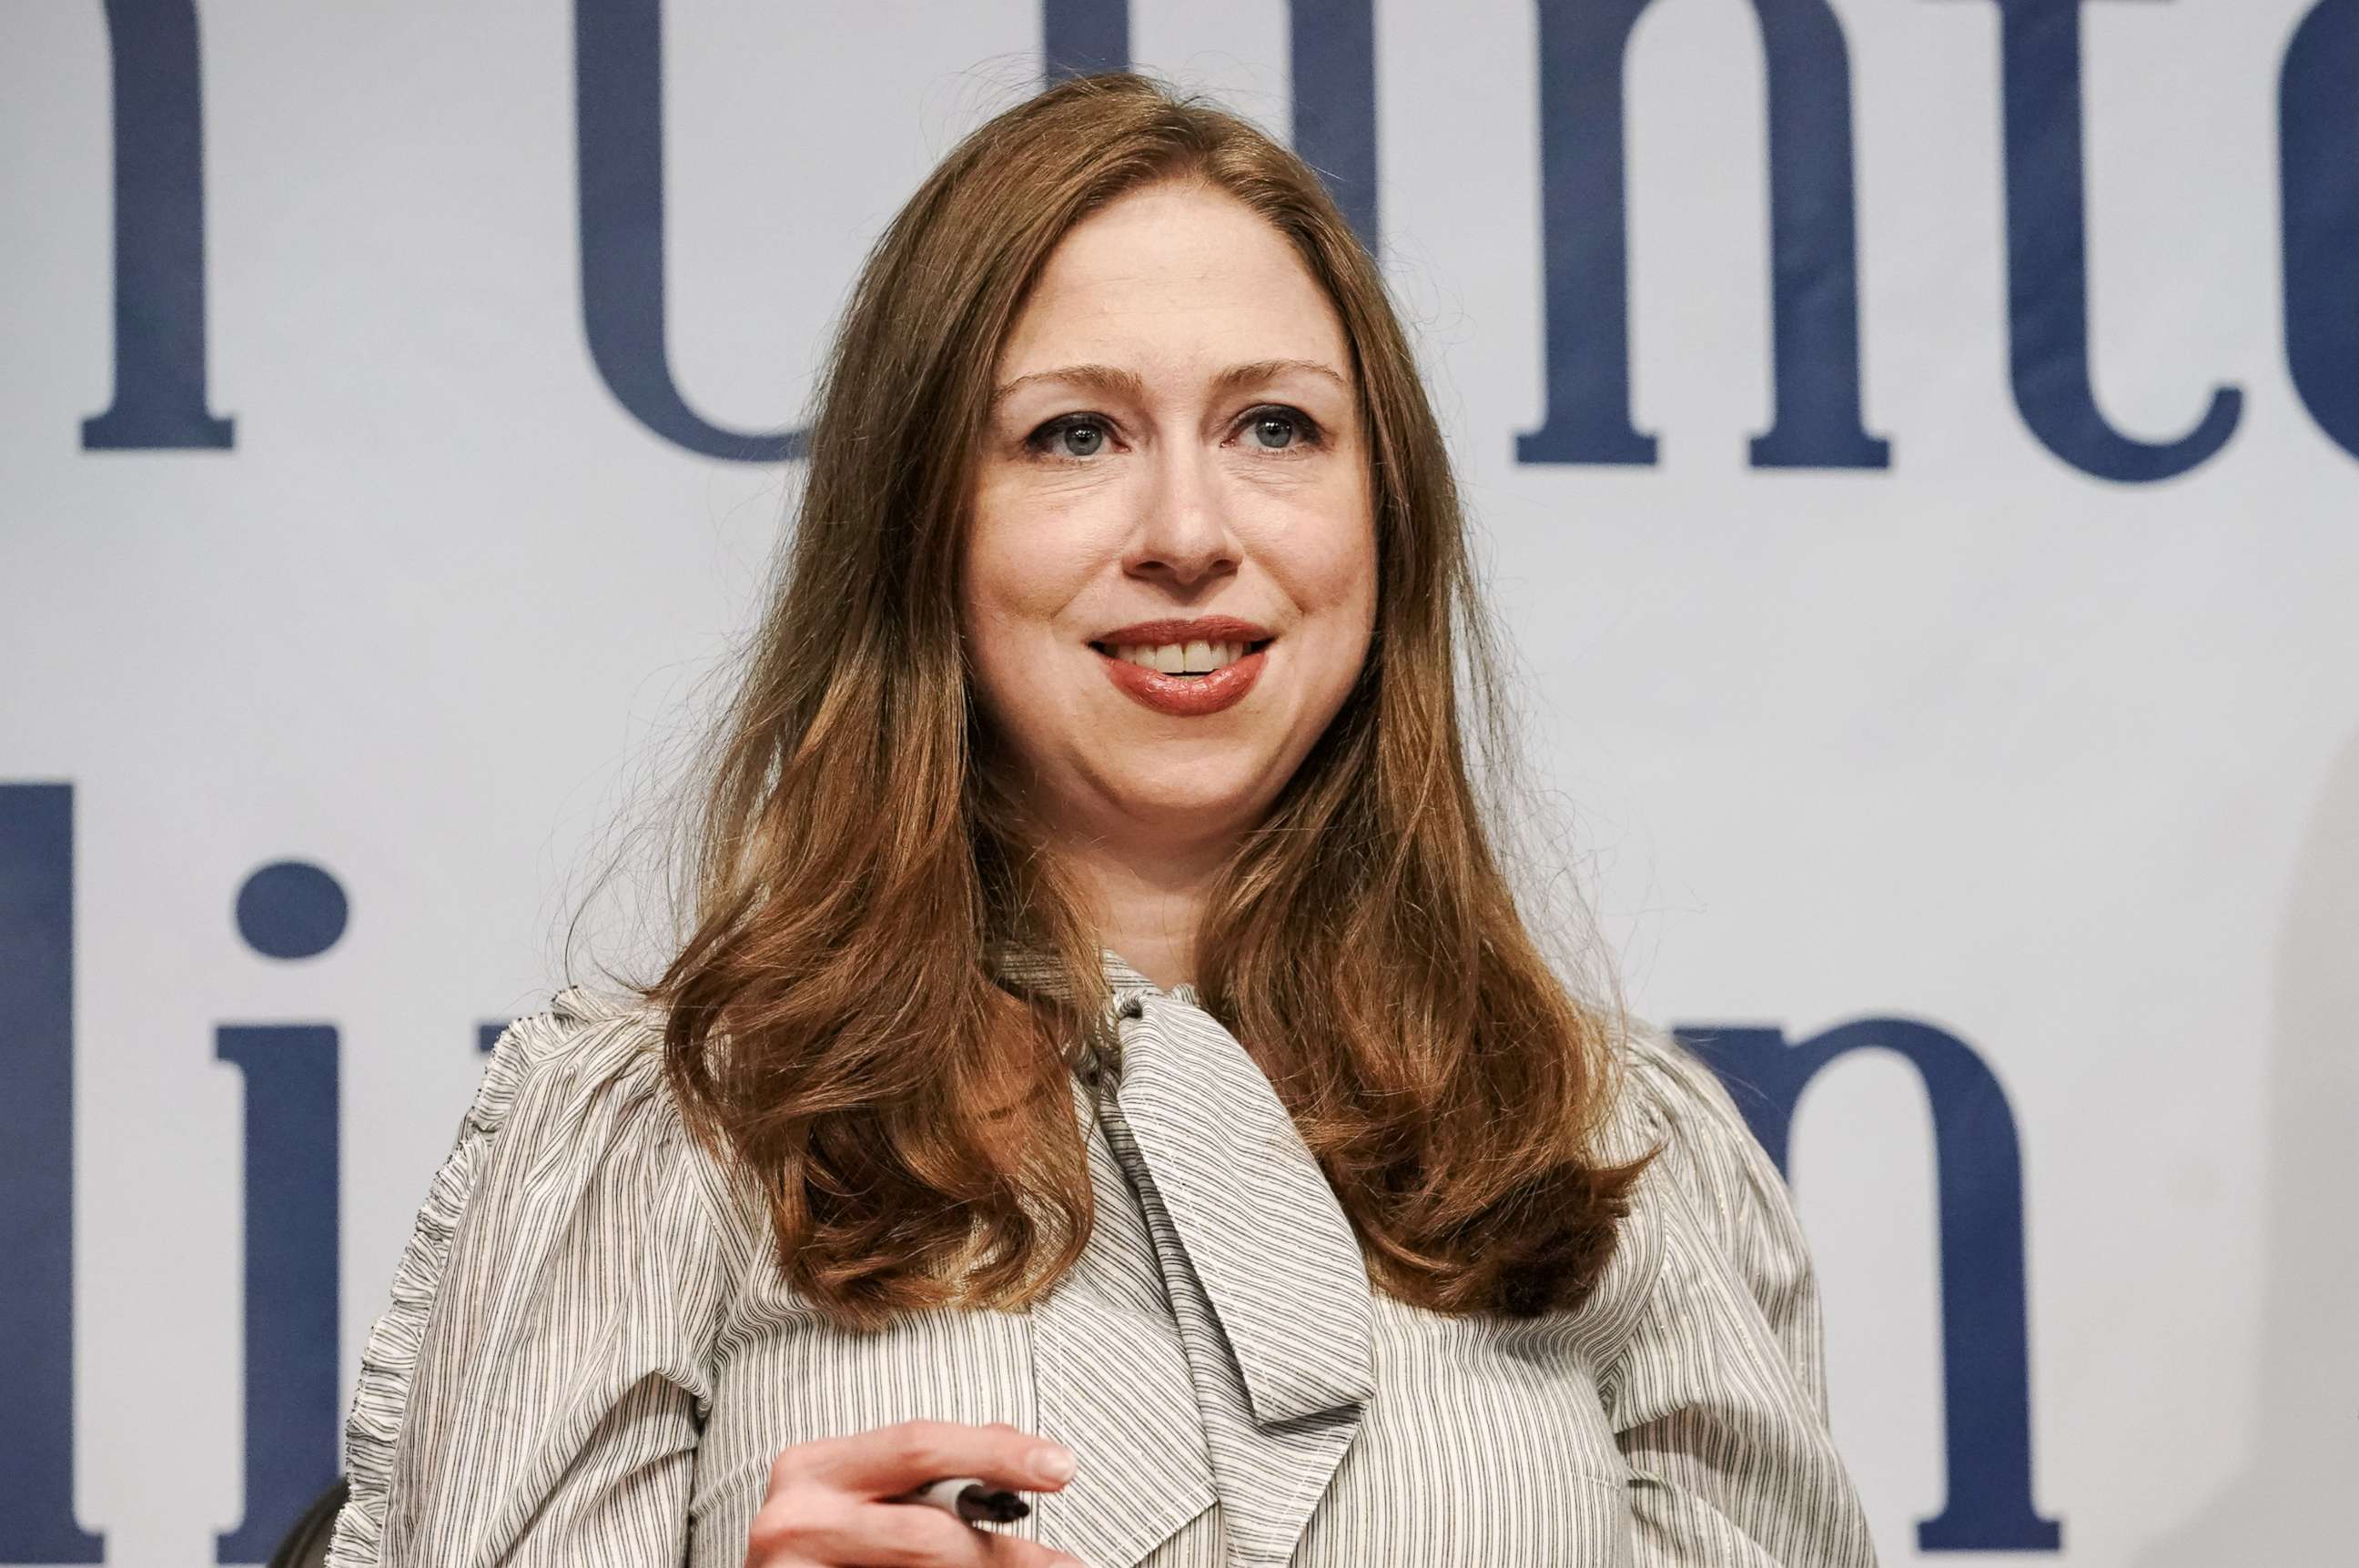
{"points": [[1175, 439]]}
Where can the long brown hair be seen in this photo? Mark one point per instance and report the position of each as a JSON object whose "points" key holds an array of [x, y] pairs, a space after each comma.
{"points": [[831, 1021]]}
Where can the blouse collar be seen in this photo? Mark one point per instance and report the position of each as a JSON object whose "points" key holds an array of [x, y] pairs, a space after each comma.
{"points": [[1035, 970]]}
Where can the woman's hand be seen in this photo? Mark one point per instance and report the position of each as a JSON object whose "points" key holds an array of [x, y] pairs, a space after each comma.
{"points": [[826, 1507]]}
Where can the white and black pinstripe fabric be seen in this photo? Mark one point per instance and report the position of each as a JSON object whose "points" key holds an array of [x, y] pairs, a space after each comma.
{"points": [[589, 1357]]}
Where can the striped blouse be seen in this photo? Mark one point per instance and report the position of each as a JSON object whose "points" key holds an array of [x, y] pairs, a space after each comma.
{"points": [[589, 1356]]}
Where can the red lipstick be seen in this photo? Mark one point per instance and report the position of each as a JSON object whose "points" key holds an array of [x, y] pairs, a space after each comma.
{"points": [[1200, 628], [1185, 696]]}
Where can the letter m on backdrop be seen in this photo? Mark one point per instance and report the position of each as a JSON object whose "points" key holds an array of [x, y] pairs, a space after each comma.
{"points": [[1978, 1166]]}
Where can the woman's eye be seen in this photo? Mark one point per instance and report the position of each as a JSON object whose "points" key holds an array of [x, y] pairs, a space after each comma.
{"points": [[1074, 436], [1280, 430]]}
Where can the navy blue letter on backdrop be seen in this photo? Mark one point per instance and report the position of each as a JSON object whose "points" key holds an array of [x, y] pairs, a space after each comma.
{"points": [[2318, 113], [1978, 1165], [618, 128], [36, 1425], [1082, 38], [1584, 236], [1333, 53], [2047, 262], [159, 234], [1813, 245], [1332, 46], [289, 911], [291, 1190]]}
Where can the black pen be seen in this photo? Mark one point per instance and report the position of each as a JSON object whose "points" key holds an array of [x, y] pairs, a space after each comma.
{"points": [[965, 1498]]}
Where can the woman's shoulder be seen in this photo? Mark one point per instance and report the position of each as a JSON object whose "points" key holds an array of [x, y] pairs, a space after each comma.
{"points": [[1707, 1171], [577, 1094], [1671, 1098], [587, 1060], [571, 1190], [584, 1020], [1711, 1179]]}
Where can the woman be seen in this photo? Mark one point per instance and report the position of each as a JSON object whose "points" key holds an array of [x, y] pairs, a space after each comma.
{"points": [[1107, 1060]]}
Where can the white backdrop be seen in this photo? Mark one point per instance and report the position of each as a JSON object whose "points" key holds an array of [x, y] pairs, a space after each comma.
{"points": [[2065, 766]]}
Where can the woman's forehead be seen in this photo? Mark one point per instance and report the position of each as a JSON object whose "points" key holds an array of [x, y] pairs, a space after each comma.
{"points": [[1172, 279]]}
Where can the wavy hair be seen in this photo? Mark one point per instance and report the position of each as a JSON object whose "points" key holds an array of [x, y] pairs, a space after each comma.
{"points": [[831, 1020]]}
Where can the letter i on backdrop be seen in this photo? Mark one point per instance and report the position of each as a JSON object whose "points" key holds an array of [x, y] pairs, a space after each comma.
{"points": [[286, 911]]}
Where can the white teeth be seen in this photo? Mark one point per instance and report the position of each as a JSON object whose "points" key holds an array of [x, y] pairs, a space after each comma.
{"points": [[1183, 658]]}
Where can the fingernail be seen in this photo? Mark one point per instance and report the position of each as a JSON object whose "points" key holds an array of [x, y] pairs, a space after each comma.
{"points": [[1055, 1463]]}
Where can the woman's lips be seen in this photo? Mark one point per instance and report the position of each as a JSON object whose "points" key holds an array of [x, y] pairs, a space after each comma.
{"points": [[1186, 696]]}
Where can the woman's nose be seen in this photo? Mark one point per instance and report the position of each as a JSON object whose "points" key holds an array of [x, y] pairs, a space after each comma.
{"points": [[1184, 529]]}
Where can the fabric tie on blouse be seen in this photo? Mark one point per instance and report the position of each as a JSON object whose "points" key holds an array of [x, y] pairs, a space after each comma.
{"points": [[1261, 1229], [1263, 1272]]}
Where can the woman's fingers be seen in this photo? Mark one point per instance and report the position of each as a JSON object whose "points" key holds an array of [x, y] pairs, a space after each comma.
{"points": [[888, 1461], [830, 1501], [907, 1535]]}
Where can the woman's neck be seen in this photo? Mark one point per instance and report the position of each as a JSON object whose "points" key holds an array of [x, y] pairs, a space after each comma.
{"points": [[1148, 906]]}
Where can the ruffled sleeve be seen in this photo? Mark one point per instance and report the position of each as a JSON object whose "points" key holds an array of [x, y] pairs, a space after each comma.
{"points": [[1718, 1396], [535, 1390]]}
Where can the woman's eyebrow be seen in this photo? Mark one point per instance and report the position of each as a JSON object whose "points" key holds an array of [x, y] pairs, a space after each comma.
{"points": [[1112, 380], [1260, 370]]}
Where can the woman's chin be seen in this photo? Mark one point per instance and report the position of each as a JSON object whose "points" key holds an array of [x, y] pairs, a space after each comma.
{"points": [[1181, 812]]}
